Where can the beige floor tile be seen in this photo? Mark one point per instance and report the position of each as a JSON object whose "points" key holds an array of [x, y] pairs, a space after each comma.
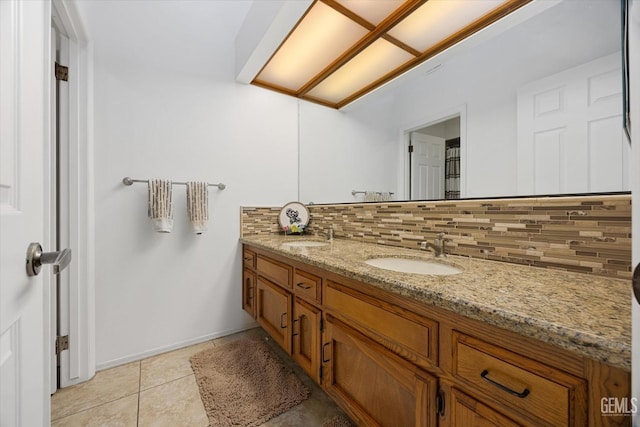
{"points": [[120, 413], [172, 404], [169, 366], [106, 386]]}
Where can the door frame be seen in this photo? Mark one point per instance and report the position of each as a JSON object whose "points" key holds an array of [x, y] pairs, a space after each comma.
{"points": [[77, 317], [432, 119]]}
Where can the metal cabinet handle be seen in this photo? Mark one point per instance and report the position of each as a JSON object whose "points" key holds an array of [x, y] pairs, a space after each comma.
{"points": [[249, 288], [248, 258], [302, 285], [522, 394], [36, 259], [440, 403], [293, 327], [281, 317], [323, 347]]}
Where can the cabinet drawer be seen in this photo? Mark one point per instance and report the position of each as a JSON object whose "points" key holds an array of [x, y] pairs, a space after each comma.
{"points": [[413, 337], [534, 390], [278, 272], [248, 259], [307, 285]]}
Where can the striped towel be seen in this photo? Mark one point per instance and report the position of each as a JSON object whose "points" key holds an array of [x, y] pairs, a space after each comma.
{"points": [[370, 196], [161, 205], [198, 205]]}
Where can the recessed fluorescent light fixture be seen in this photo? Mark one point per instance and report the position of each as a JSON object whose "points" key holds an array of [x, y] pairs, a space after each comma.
{"points": [[342, 49]]}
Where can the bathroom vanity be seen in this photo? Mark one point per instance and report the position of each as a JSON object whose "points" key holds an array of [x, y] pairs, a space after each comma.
{"points": [[496, 344]]}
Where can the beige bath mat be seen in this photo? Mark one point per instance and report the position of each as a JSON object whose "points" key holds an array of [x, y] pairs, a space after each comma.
{"points": [[338, 421], [243, 384]]}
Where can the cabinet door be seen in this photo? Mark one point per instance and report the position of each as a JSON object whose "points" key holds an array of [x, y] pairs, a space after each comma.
{"points": [[376, 387], [466, 411], [249, 292], [306, 337], [274, 312]]}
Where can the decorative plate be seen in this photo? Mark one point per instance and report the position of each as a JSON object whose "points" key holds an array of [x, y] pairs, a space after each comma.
{"points": [[294, 218]]}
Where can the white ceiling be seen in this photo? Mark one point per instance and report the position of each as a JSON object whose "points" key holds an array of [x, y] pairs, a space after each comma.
{"points": [[197, 36], [194, 37]]}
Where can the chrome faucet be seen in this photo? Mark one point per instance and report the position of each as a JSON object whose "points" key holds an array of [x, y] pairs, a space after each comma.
{"points": [[438, 246], [328, 233]]}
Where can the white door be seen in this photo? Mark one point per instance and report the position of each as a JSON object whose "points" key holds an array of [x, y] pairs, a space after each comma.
{"points": [[570, 137], [427, 166], [24, 130]]}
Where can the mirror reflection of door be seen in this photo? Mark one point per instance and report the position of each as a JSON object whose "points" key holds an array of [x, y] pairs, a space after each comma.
{"points": [[435, 161]]}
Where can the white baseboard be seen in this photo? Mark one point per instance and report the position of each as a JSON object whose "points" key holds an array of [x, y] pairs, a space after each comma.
{"points": [[139, 356]]}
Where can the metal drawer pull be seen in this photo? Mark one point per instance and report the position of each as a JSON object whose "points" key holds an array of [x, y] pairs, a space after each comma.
{"points": [[248, 258], [323, 347], [302, 285], [281, 317], [293, 327], [522, 394], [249, 288]]}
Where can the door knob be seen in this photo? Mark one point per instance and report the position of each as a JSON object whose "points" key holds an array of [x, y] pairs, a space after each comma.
{"points": [[36, 259]]}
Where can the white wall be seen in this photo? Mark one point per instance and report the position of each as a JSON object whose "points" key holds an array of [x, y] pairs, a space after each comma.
{"points": [[166, 106], [341, 152]]}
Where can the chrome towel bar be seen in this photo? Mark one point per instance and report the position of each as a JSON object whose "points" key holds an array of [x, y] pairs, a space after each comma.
{"points": [[354, 192], [129, 181]]}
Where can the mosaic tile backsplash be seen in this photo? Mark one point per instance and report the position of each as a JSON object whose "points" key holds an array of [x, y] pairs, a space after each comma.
{"points": [[586, 234]]}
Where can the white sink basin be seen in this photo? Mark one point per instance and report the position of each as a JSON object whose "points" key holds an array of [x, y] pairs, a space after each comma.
{"points": [[304, 243], [413, 266]]}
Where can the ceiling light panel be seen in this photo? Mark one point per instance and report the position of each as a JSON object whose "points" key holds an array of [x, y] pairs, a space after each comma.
{"points": [[438, 19], [374, 62], [321, 37], [374, 11]]}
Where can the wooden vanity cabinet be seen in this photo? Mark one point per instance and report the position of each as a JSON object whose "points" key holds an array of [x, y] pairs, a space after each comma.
{"points": [[306, 325], [249, 282], [249, 292], [392, 361], [285, 309], [307, 322], [465, 411], [274, 312], [531, 390], [374, 386], [411, 336]]}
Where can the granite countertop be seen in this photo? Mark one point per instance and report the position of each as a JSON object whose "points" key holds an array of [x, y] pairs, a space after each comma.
{"points": [[586, 314]]}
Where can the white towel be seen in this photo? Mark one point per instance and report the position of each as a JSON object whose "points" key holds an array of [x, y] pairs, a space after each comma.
{"points": [[198, 205], [370, 196], [161, 205]]}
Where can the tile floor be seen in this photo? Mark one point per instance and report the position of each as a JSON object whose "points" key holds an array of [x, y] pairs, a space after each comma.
{"points": [[162, 391]]}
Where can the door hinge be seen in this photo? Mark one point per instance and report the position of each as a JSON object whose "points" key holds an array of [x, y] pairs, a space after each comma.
{"points": [[62, 343], [62, 72], [411, 148], [440, 403]]}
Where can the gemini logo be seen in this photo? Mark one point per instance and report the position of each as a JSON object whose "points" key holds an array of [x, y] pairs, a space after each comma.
{"points": [[615, 407]]}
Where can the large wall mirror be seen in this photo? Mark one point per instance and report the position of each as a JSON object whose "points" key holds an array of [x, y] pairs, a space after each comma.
{"points": [[532, 108]]}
